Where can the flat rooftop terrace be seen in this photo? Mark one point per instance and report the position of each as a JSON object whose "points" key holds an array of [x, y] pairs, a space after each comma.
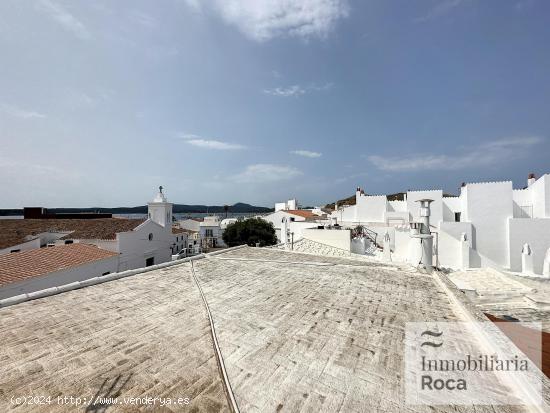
{"points": [[297, 332]]}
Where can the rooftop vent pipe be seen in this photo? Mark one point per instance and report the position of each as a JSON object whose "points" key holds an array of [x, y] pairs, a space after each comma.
{"points": [[422, 239]]}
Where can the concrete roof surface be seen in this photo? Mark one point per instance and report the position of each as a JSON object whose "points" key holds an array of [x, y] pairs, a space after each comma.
{"points": [[298, 333], [505, 294], [145, 335]]}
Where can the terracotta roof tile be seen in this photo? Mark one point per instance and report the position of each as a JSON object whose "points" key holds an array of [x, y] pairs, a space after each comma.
{"points": [[302, 213], [18, 266], [15, 231]]}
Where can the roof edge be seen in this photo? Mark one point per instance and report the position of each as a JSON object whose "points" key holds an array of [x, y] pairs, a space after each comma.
{"points": [[6, 302]]}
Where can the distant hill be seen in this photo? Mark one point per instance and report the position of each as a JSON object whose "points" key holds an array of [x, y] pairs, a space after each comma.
{"points": [[239, 207], [398, 196]]}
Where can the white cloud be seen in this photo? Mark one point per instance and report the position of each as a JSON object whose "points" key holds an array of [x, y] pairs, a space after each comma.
{"points": [[290, 91], [20, 113], [201, 142], [263, 172], [296, 90], [442, 8], [65, 19], [307, 154], [487, 154], [263, 20]]}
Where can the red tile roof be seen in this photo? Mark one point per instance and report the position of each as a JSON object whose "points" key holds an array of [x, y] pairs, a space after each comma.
{"points": [[15, 231], [302, 213], [18, 266], [177, 230]]}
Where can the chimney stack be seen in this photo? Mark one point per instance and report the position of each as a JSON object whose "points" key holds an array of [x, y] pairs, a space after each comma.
{"points": [[531, 179]]}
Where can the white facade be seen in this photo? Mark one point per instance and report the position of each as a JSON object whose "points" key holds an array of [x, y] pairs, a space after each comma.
{"points": [[335, 238], [295, 223], [152, 242], [290, 204], [211, 232], [160, 210], [491, 218]]}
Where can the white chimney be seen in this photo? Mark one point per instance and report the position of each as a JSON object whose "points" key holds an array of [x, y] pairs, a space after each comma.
{"points": [[531, 179]]}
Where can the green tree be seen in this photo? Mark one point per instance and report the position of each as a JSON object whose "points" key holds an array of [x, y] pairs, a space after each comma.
{"points": [[250, 231]]}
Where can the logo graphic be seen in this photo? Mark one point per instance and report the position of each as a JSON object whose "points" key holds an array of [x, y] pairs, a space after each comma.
{"points": [[465, 363], [432, 334]]}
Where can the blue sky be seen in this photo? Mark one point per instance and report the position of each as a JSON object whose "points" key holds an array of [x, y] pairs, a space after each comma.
{"points": [[257, 101]]}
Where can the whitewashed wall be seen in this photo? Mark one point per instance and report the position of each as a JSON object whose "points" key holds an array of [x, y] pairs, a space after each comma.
{"points": [[397, 206], [489, 206], [298, 228], [450, 206], [540, 191], [55, 279], [371, 208], [295, 226], [276, 218], [402, 242], [345, 213], [135, 247], [335, 238], [535, 232], [25, 246], [436, 207], [380, 231]]}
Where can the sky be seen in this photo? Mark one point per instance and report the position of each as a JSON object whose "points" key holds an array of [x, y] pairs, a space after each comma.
{"points": [[258, 101]]}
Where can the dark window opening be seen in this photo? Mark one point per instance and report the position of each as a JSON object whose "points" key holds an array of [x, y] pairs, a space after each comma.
{"points": [[150, 261], [457, 216], [106, 273], [68, 241], [17, 250]]}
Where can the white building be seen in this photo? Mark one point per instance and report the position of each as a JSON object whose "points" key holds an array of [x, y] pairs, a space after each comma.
{"points": [[494, 220], [42, 268], [291, 204], [211, 232], [151, 242], [296, 220], [140, 243]]}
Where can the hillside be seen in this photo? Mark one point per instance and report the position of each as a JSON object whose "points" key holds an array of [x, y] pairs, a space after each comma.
{"points": [[398, 196]]}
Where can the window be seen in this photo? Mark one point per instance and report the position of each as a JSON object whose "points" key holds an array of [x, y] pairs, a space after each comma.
{"points": [[17, 250], [210, 233], [68, 241], [151, 236], [457, 216], [106, 273], [150, 261]]}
